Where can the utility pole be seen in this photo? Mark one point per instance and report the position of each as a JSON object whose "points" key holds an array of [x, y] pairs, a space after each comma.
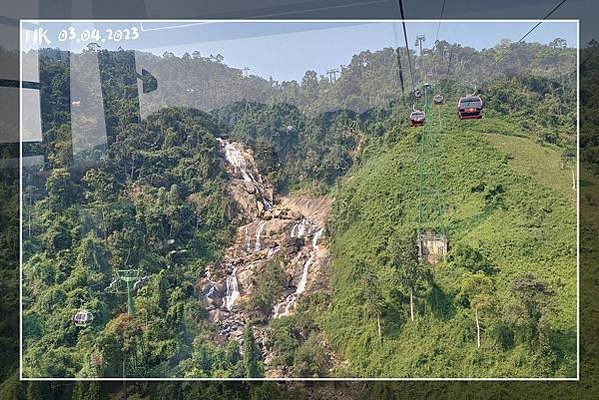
{"points": [[332, 74]]}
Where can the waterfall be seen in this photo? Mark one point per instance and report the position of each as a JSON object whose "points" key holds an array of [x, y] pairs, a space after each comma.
{"points": [[210, 292], [266, 203], [272, 251], [258, 233], [299, 229], [302, 283], [232, 290], [235, 157], [301, 286]]}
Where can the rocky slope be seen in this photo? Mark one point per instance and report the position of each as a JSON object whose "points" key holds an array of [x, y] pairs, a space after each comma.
{"points": [[289, 229]]}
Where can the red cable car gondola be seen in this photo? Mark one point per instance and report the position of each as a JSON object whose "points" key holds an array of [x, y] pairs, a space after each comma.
{"points": [[417, 118], [470, 107], [439, 99]]}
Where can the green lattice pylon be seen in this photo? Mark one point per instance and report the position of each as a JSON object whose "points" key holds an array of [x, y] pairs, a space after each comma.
{"points": [[129, 276]]}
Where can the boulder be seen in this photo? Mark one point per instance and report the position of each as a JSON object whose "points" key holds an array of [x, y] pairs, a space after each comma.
{"points": [[244, 278], [219, 288], [269, 194], [250, 187], [215, 315]]}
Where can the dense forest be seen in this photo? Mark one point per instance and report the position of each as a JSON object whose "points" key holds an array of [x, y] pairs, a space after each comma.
{"points": [[156, 198]]}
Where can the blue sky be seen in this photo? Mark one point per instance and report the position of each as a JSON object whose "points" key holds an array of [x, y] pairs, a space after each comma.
{"points": [[285, 50]]}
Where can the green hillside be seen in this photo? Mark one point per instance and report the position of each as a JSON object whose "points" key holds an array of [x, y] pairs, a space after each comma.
{"points": [[154, 198], [503, 222]]}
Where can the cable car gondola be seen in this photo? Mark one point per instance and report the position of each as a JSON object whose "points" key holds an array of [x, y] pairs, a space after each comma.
{"points": [[417, 118], [418, 94], [83, 318], [439, 99], [470, 107]]}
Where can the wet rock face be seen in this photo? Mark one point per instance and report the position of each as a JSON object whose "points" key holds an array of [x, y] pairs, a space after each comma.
{"points": [[250, 193], [289, 231], [292, 245]]}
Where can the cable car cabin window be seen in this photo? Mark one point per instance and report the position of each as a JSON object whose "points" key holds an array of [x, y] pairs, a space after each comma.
{"points": [[470, 104]]}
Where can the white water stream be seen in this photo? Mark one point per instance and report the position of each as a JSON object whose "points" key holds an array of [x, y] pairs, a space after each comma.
{"points": [[301, 286], [232, 290], [258, 233], [235, 157], [299, 230]]}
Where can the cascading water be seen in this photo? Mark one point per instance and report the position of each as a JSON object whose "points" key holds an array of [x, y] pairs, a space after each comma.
{"points": [[272, 251], [258, 233], [302, 283], [235, 157], [232, 290], [210, 292], [299, 230], [301, 286]]}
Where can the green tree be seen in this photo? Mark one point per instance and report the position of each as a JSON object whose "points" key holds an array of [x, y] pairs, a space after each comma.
{"points": [[413, 276], [250, 359], [374, 301], [477, 291], [535, 302]]}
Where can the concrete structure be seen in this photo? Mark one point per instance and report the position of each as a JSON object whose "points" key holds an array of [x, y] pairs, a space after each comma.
{"points": [[432, 247]]}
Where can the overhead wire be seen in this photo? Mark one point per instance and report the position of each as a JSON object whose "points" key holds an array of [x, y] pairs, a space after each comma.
{"points": [[455, 31], [405, 35], [440, 18], [400, 71], [513, 45], [437, 34]]}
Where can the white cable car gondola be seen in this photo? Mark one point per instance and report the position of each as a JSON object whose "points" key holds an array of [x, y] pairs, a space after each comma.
{"points": [[83, 318]]}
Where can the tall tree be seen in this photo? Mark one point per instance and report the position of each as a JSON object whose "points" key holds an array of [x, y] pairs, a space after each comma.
{"points": [[477, 291], [374, 300], [413, 276], [535, 301], [250, 359]]}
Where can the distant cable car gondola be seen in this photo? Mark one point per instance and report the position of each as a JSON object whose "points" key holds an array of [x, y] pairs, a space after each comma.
{"points": [[83, 318], [417, 118], [439, 99], [418, 94], [470, 107]]}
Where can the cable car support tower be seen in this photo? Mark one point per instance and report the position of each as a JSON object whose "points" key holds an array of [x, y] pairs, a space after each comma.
{"points": [[432, 233], [129, 276]]}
